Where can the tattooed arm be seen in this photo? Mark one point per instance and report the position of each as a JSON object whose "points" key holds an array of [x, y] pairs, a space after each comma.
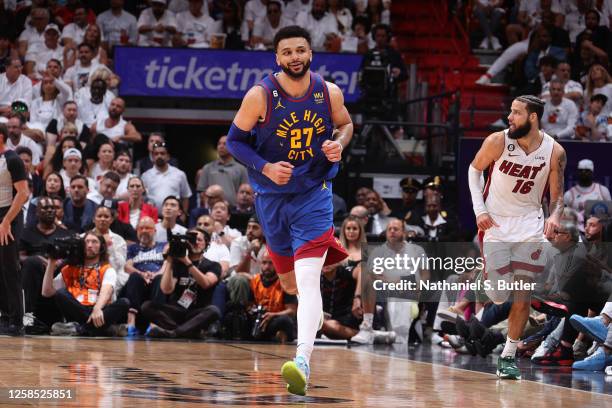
{"points": [[556, 184]]}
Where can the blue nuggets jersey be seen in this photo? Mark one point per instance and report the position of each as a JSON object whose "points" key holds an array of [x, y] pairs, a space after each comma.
{"points": [[293, 131]]}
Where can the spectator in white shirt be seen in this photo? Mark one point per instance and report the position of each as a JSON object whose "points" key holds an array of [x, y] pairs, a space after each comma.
{"points": [[69, 116], [163, 180], [94, 100], [253, 11], [39, 54], [117, 25], [220, 213], [16, 137], [575, 21], [13, 86], [114, 126], [319, 23], [73, 33], [156, 25], [195, 26], [54, 68], [572, 90], [170, 212], [49, 104], [266, 28], [343, 16], [295, 7], [77, 76], [560, 114], [34, 31]]}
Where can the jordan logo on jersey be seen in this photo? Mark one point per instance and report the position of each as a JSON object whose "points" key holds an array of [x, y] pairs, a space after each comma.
{"points": [[279, 105], [301, 128]]}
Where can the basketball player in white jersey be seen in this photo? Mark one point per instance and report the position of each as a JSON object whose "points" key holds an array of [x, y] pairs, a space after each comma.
{"points": [[523, 163]]}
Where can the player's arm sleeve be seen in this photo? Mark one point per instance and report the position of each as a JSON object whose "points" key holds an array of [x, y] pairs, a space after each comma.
{"points": [[239, 146], [475, 181]]}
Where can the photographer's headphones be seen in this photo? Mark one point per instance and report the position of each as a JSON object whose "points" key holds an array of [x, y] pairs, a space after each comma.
{"points": [[381, 26]]}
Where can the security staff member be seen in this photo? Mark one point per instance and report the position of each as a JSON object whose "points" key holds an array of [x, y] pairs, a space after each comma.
{"points": [[13, 195]]}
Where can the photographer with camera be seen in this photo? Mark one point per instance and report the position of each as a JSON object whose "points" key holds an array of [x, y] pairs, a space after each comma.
{"points": [[382, 69], [83, 289], [33, 255], [189, 287], [274, 310]]}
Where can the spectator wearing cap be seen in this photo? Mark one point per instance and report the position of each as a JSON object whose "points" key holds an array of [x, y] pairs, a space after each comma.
{"points": [[592, 124], [72, 165], [34, 131], [34, 31], [39, 54], [411, 210], [14, 85], [586, 189], [225, 171], [78, 210], [560, 114], [15, 125], [156, 25], [164, 180]]}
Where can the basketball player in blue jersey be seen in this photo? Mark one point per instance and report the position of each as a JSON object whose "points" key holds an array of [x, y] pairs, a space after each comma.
{"points": [[290, 132]]}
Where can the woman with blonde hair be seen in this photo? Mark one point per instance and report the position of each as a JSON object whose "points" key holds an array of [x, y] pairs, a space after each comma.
{"points": [[598, 81], [353, 239]]}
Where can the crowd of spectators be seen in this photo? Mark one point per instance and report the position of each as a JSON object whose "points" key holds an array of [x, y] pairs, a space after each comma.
{"points": [[560, 50]]}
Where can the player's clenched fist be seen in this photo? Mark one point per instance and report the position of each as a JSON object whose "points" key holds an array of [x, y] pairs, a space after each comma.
{"points": [[332, 150], [279, 172], [484, 222]]}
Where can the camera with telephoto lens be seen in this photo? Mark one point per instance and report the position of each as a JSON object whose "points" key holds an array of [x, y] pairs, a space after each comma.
{"points": [[257, 331], [70, 248], [179, 244]]}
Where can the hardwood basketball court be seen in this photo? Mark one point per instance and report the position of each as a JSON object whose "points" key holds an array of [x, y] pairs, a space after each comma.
{"points": [[141, 373]]}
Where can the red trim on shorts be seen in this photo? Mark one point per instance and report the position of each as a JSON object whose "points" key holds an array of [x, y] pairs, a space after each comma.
{"points": [[317, 247], [504, 269], [526, 266], [282, 264]]}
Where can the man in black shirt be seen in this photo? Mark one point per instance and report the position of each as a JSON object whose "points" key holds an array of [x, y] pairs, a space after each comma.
{"points": [[33, 255], [338, 290], [189, 288], [78, 209], [12, 178]]}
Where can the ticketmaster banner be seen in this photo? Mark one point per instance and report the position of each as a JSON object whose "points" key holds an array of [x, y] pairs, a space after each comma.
{"points": [[200, 73]]}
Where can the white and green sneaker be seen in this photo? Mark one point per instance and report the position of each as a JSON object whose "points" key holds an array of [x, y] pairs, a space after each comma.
{"points": [[296, 373], [507, 369]]}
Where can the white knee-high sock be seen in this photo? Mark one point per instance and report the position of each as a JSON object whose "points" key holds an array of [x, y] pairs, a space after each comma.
{"points": [[310, 305]]}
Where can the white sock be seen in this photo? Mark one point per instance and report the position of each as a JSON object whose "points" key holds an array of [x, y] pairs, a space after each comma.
{"points": [[368, 319], [310, 305], [510, 348]]}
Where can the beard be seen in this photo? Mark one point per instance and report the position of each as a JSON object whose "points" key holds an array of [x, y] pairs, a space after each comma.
{"points": [[520, 131], [160, 162], [296, 75], [585, 180]]}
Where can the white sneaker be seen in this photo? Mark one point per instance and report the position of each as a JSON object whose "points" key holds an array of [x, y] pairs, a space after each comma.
{"points": [[542, 349], [609, 370], [456, 341], [593, 348], [384, 337], [64, 329], [365, 335], [484, 44], [483, 80], [436, 338], [28, 319]]}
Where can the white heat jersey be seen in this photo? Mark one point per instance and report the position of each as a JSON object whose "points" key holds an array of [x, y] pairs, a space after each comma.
{"points": [[518, 181]]}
